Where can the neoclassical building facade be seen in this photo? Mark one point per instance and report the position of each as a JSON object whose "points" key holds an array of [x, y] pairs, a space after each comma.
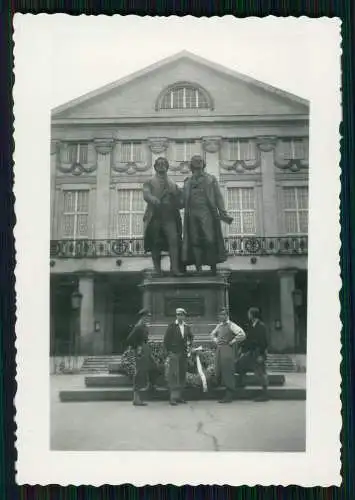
{"points": [[254, 139]]}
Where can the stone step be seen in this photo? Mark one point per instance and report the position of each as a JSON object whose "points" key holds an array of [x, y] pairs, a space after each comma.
{"points": [[275, 380], [104, 364], [113, 368], [191, 394]]}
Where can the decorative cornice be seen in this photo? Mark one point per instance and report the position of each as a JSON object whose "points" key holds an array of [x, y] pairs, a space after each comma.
{"points": [[240, 166], [182, 167], [75, 168], [266, 143], [211, 144], [158, 144], [294, 164], [104, 146], [130, 168]]}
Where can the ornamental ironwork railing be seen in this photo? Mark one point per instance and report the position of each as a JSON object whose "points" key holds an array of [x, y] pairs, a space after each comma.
{"points": [[134, 247]]}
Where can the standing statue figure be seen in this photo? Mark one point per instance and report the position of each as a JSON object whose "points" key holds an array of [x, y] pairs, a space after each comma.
{"points": [[162, 220], [204, 210]]}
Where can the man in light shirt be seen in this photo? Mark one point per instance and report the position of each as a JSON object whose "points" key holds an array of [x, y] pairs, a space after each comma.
{"points": [[226, 335], [177, 340]]}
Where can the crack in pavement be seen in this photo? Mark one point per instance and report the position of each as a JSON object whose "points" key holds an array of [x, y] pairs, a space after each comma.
{"points": [[200, 430]]}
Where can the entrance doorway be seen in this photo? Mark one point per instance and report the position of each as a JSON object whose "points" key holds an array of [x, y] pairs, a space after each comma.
{"points": [[127, 301], [242, 296], [61, 319]]}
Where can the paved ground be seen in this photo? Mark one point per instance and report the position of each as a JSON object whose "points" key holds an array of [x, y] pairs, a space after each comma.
{"points": [[202, 425]]}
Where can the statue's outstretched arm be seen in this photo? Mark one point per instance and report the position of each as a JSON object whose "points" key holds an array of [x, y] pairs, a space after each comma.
{"points": [[220, 203]]}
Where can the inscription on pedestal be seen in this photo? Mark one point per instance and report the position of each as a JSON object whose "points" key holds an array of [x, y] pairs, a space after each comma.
{"points": [[195, 306]]}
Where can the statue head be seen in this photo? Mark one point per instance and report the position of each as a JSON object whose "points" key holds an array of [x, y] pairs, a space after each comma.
{"points": [[161, 165], [197, 164]]}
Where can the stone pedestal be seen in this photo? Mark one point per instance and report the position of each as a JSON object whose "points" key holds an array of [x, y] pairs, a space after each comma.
{"points": [[201, 295]]}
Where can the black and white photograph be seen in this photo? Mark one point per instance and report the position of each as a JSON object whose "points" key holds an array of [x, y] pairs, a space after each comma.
{"points": [[187, 189]]}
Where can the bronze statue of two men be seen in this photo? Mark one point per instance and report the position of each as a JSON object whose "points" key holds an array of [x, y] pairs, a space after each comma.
{"points": [[199, 240]]}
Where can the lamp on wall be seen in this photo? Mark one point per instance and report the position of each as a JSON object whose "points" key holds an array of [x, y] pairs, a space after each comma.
{"points": [[76, 298], [297, 298]]}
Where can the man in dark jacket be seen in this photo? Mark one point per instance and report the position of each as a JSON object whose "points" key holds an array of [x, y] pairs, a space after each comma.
{"points": [[254, 353], [177, 340], [146, 370], [162, 220]]}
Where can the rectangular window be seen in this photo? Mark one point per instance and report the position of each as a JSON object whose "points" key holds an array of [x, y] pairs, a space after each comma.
{"points": [[131, 152], [240, 149], [241, 206], [131, 208], [76, 153], [294, 149], [75, 216], [185, 150], [295, 208]]}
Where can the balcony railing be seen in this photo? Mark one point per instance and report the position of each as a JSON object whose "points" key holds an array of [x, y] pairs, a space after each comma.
{"points": [[133, 247]]}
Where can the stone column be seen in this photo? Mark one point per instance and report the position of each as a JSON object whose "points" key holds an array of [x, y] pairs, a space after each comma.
{"points": [[158, 146], [211, 146], [102, 214], [54, 159], [86, 288], [266, 146], [287, 287]]}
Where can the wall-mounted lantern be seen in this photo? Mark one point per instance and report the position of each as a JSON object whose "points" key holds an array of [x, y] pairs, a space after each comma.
{"points": [[76, 298], [297, 297], [277, 324]]}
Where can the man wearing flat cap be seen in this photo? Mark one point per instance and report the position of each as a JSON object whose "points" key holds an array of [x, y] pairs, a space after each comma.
{"points": [[226, 335], [146, 370], [177, 340]]}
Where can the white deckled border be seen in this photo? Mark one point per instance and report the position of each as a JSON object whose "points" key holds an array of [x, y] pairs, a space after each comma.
{"points": [[320, 465]]}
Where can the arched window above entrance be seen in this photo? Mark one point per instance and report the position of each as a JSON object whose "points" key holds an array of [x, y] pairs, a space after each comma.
{"points": [[184, 95]]}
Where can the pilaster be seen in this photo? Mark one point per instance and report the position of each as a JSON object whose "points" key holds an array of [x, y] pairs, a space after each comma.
{"points": [[86, 288], [211, 146], [266, 146], [158, 147], [54, 160], [102, 213], [287, 288]]}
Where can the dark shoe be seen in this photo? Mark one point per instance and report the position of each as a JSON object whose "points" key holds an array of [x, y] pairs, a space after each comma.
{"points": [[139, 403], [172, 402], [262, 398], [225, 400]]}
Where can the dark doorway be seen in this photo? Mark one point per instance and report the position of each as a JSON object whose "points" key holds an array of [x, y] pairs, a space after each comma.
{"points": [[60, 303], [243, 295], [301, 313], [127, 301]]}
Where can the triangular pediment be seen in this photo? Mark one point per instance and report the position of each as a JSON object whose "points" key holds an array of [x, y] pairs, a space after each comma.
{"points": [[136, 95]]}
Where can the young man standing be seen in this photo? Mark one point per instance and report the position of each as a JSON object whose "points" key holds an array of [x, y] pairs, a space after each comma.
{"points": [[254, 352], [178, 338], [226, 335], [145, 367]]}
